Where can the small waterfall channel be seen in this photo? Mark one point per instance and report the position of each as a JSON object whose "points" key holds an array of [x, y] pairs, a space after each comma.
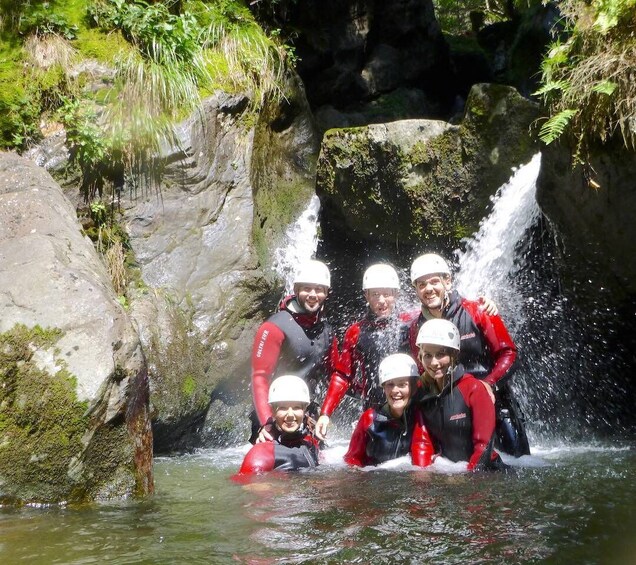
{"points": [[489, 264], [571, 501], [301, 240], [571, 379]]}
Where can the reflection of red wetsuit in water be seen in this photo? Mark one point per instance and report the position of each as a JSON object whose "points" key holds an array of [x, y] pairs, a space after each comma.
{"points": [[461, 421], [288, 452], [380, 437], [291, 341], [365, 344]]}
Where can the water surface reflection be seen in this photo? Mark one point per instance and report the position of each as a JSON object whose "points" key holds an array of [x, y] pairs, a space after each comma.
{"points": [[562, 505]]}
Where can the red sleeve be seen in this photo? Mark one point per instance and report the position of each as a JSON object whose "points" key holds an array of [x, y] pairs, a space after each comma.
{"points": [[265, 352], [357, 452], [483, 415], [343, 373], [259, 459], [502, 348], [338, 387], [415, 350], [422, 449]]}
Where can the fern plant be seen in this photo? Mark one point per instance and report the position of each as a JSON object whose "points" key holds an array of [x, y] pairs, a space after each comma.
{"points": [[587, 79]]}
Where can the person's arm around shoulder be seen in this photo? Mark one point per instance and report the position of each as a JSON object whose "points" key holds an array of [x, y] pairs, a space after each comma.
{"points": [[338, 387], [483, 419], [422, 448], [502, 348], [488, 305], [340, 379], [357, 453]]}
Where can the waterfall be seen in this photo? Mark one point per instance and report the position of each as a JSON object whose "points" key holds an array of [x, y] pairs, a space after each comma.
{"points": [[569, 358], [490, 260], [301, 240]]}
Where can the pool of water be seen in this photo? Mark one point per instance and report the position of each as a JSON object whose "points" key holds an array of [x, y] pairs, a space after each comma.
{"points": [[563, 504]]}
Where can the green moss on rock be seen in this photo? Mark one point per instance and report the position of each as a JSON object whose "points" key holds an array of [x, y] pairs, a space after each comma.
{"points": [[283, 168], [41, 419], [419, 182], [179, 360]]}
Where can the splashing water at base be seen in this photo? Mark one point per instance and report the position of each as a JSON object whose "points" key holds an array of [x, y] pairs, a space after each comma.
{"points": [[571, 505], [301, 240]]}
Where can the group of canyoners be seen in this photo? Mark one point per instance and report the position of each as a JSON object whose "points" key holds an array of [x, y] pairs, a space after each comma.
{"points": [[433, 382]]}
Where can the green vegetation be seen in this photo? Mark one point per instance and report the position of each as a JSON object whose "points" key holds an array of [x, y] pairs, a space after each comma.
{"points": [[41, 420], [178, 361], [470, 15], [164, 57], [587, 76], [100, 224]]}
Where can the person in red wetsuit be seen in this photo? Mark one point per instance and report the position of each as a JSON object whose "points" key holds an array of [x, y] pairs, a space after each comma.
{"points": [[366, 342], [395, 429], [297, 339], [487, 350], [457, 410], [292, 446], [381, 332]]}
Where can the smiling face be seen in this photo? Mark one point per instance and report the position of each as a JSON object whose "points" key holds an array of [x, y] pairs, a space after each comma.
{"points": [[381, 301], [311, 296], [398, 393], [436, 360], [288, 416], [431, 290]]}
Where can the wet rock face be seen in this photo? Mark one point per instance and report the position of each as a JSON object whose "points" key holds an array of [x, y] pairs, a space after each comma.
{"points": [[351, 52], [205, 249], [75, 422], [423, 180], [593, 211]]}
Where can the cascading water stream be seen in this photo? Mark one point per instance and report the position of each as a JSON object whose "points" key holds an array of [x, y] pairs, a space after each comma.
{"points": [[564, 364], [491, 259], [301, 240]]}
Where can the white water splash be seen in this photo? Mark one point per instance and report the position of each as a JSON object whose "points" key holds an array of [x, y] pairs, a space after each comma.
{"points": [[489, 262], [301, 241]]}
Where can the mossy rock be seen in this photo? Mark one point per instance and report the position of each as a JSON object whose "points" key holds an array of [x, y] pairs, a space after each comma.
{"points": [[425, 181], [41, 420], [283, 168]]}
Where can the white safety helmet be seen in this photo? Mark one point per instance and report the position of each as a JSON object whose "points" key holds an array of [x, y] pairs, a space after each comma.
{"points": [[288, 388], [428, 264], [313, 272], [439, 332], [397, 366], [380, 275]]}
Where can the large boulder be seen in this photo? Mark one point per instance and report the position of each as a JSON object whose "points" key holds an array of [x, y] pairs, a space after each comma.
{"points": [[205, 249], [74, 420], [424, 180]]}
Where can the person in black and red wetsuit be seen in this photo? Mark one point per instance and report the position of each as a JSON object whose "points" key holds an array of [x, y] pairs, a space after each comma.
{"points": [[293, 447], [395, 429], [457, 410], [297, 339], [381, 332], [366, 342], [487, 350]]}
